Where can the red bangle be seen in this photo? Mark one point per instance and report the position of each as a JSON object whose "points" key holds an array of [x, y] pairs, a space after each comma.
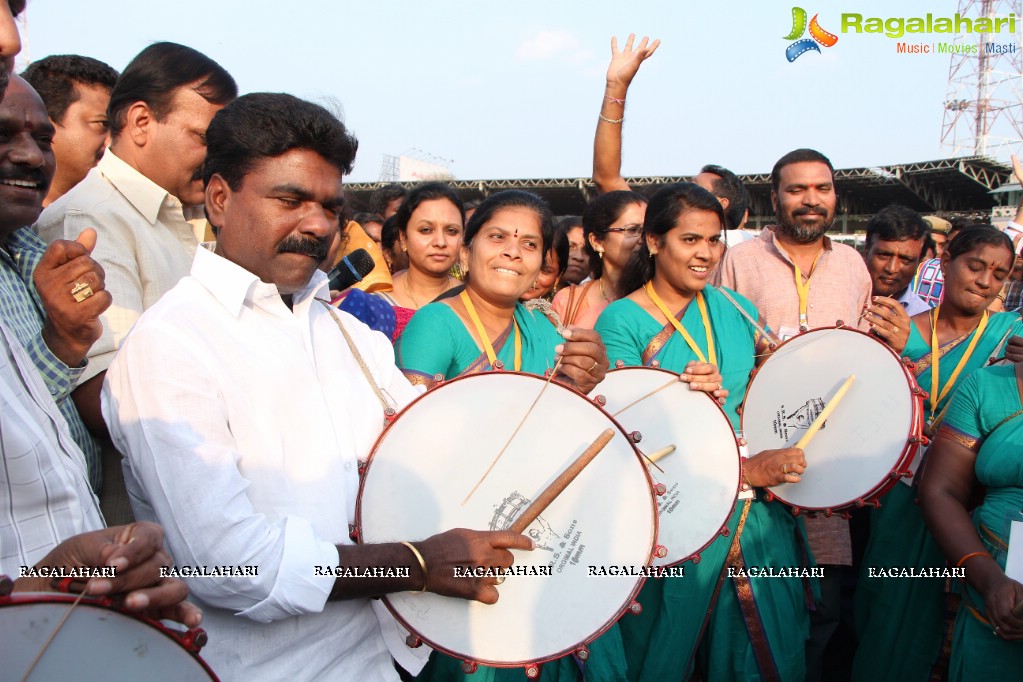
{"points": [[615, 99], [970, 556]]}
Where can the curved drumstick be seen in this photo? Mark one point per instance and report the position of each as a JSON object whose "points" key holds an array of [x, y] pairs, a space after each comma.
{"points": [[544, 499], [49, 640], [825, 413]]}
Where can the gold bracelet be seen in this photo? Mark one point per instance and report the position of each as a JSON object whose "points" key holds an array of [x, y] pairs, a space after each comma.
{"points": [[422, 562], [610, 120]]}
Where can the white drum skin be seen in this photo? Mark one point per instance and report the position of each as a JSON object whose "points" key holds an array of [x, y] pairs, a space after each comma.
{"points": [[434, 453], [701, 478], [97, 642], [868, 442]]}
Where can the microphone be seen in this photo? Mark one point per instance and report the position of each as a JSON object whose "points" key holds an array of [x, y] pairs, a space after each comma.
{"points": [[351, 269]]}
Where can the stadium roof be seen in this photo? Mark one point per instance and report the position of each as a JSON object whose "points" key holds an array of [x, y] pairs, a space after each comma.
{"points": [[956, 185]]}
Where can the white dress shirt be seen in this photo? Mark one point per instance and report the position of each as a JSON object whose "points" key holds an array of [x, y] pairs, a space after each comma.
{"points": [[243, 422], [144, 243], [45, 496]]}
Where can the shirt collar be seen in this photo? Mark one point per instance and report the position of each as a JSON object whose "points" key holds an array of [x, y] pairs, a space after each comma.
{"points": [[767, 235], [145, 195], [234, 286]]}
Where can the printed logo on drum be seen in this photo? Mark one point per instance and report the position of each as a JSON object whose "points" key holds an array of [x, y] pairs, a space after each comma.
{"points": [[818, 36], [798, 420]]}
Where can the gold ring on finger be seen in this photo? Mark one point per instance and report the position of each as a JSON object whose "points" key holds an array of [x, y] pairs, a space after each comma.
{"points": [[596, 364], [895, 330], [81, 291], [785, 468]]}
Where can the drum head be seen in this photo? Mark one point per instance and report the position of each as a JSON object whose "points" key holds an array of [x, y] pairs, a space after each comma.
{"points": [[432, 456], [866, 438], [701, 476], [95, 643]]}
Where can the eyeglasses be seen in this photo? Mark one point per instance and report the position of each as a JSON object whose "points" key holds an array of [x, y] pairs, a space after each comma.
{"points": [[630, 231]]}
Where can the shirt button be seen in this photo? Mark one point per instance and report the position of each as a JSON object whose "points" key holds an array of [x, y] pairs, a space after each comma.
{"points": [[53, 390], [348, 466]]}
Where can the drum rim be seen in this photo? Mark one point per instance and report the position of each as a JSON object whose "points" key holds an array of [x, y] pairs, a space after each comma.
{"points": [[738, 456], [909, 450], [106, 604], [621, 611]]}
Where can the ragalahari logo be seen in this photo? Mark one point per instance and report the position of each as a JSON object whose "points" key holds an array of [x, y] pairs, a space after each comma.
{"points": [[817, 35]]}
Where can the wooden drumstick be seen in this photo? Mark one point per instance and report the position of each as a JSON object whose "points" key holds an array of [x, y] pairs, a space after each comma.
{"points": [[825, 413], [544, 499], [658, 454]]}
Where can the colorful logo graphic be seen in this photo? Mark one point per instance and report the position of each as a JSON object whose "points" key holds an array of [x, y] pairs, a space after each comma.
{"points": [[817, 35]]}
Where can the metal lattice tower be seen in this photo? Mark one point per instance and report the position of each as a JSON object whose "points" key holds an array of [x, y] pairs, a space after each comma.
{"points": [[984, 105], [389, 170]]}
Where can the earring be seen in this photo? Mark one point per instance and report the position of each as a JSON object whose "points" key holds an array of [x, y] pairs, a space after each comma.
{"points": [[600, 252], [653, 253], [404, 248]]}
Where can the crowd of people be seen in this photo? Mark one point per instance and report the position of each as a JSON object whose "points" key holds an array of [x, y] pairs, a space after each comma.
{"points": [[182, 388]]}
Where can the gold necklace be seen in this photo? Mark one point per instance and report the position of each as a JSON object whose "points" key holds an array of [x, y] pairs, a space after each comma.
{"points": [[408, 290], [600, 284]]}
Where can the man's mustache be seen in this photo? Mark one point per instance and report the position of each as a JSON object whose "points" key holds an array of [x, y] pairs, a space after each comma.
{"points": [[314, 248]]}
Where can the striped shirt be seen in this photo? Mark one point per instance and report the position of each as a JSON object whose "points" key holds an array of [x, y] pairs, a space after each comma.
{"points": [[44, 495], [22, 311]]}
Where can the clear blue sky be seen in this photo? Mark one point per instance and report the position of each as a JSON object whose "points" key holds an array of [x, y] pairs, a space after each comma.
{"points": [[512, 90]]}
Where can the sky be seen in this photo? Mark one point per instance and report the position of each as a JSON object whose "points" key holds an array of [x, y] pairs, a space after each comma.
{"points": [[511, 90]]}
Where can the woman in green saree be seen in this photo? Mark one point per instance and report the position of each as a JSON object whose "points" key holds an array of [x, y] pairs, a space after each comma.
{"points": [[485, 327], [729, 625], [980, 441], [902, 623]]}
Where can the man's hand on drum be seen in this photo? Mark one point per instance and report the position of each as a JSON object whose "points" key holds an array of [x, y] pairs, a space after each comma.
{"points": [[703, 376], [888, 321], [136, 554], [774, 467], [583, 358], [447, 553]]}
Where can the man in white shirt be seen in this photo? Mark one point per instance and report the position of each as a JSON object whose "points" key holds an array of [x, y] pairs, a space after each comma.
{"points": [[140, 196], [243, 412]]}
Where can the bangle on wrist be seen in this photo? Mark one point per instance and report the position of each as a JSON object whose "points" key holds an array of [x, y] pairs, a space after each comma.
{"points": [[967, 557], [422, 562], [611, 120], [615, 99]]}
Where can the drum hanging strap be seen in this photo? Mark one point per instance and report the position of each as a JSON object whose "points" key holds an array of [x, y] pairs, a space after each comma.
{"points": [[386, 401], [744, 588]]}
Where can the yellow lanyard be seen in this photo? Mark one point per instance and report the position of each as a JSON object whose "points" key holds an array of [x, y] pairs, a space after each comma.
{"points": [[682, 330], [803, 290], [935, 396], [487, 346]]}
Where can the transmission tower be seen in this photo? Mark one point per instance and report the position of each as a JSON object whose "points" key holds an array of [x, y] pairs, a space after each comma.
{"points": [[984, 105]]}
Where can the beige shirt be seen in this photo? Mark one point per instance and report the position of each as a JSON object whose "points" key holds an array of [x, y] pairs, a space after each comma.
{"points": [[145, 243], [839, 288]]}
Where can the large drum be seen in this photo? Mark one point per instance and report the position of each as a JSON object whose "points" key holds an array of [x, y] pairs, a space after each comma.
{"points": [[868, 442], [593, 541], [97, 642], [700, 480]]}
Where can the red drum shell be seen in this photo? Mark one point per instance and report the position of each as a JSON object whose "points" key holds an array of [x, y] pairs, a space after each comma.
{"points": [[869, 441], [439, 447], [98, 641]]}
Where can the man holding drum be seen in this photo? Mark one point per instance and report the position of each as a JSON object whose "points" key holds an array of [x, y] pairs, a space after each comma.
{"points": [[241, 478], [798, 280]]}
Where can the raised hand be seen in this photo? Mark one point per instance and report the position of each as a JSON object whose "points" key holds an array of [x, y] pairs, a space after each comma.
{"points": [[625, 62]]}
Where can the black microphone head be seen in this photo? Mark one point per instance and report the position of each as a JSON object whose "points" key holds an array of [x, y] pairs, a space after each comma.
{"points": [[351, 269], [361, 261]]}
